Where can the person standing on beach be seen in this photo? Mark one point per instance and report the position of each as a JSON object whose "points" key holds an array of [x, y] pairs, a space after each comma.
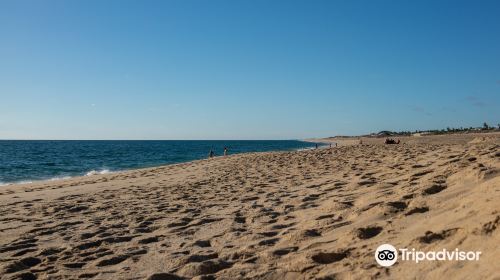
{"points": [[225, 151], [211, 154], [316, 146]]}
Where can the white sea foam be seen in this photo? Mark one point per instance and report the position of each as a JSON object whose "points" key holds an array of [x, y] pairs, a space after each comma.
{"points": [[60, 178], [97, 172], [320, 146], [16, 183], [304, 149], [57, 178], [33, 181]]}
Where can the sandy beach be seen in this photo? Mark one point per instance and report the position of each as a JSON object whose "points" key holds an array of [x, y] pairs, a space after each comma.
{"points": [[315, 214]]}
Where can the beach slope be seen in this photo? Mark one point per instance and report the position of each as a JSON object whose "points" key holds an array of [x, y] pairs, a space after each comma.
{"points": [[278, 215]]}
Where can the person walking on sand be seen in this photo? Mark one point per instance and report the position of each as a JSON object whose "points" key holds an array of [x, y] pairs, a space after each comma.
{"points": [[211, 154], [225, 151]]}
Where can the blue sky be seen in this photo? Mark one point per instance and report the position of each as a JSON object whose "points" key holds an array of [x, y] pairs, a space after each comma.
{"points": [[245, 69]]}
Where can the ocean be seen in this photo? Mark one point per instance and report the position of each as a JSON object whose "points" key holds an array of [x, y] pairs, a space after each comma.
{"points": [[23, 161]]}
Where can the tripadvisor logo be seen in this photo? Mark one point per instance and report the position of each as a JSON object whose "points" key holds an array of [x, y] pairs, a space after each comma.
{"points": [[387, 255]]}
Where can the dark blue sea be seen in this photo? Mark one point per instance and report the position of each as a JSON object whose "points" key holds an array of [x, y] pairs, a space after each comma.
{"points": [[26, 161]]}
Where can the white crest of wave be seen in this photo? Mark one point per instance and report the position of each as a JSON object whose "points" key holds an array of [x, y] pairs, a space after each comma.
{"points": [[97, 172], [16, 183], [21, 182], [60, 178]]}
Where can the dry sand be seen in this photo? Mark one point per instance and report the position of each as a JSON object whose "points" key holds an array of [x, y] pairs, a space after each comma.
{"points": [[295, 215]]}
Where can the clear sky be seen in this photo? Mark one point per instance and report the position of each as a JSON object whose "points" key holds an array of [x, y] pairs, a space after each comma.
{"points": [[94, 69]]}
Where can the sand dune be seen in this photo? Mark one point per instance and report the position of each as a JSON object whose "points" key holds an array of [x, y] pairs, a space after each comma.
{"points": [[295, 215]]}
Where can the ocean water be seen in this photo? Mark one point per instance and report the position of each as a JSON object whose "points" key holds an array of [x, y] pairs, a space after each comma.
{"points": [[26, 161]]}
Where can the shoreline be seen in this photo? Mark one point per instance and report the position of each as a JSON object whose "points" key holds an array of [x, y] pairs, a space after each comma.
{"points": [[117, 172], [340, 140], [102, 171], [76, 177]]}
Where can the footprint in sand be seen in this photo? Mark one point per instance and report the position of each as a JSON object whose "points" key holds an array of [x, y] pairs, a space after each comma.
{"points": [[417, 210], [434, 189], [431, 237], [22, 264], [368, 232], [397, 206], [285, 251], [329, 257]]}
